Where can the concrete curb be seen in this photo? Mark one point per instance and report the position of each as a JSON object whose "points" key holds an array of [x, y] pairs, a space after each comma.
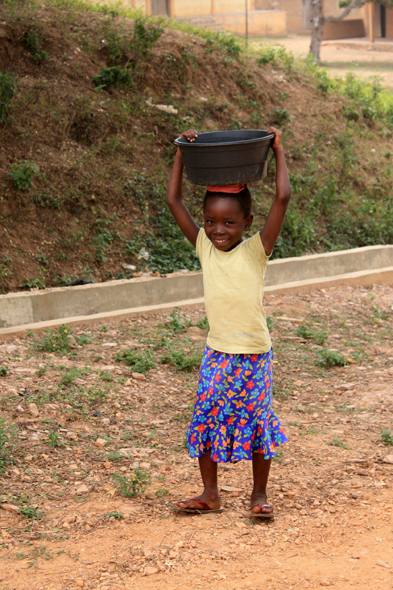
{"points": [[52, 307], [365, 278]]}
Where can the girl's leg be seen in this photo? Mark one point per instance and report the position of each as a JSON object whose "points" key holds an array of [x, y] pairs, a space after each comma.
{"points": [[210, 494], [260, 469]]}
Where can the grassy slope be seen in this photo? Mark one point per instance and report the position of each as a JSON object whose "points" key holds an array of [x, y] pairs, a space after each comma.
{"points": [[103, 155]]}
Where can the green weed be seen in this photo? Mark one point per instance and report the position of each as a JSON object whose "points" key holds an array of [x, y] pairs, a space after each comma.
{"points": [[8, 440], [22, 174], [33, 41], [133, 485], [117, 515], [140, 362], [30, 512], [54, 440], [181, 360], [387, 437], [160, 493], [3, 371], [330, 358], [336, 442], [8, 84], [177, 323], [309, 333], [114, 76], [36, 283], [203, 324], [58, 341]]}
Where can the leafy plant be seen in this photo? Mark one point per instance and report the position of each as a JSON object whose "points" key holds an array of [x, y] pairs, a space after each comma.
{"points": [[140, 362], [177, 322], [22, 174], [54, 440], [203, 324], [309, 333], [336, 442], [114, 76], [181, 360], [54, 340], [71, 374], [117, 515], [33, 41], [280, 116], [8, 438], [330, 358], [7, 92], [3, 371], [36, 283], [387, 437], [30, 512], [133, 485]]}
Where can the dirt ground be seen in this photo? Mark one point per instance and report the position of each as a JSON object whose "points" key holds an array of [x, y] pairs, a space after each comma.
{"points": [[346, 55], [65, 523]]}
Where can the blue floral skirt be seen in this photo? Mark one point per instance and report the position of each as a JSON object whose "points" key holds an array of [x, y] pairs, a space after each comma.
{"points": [[233, 416]]}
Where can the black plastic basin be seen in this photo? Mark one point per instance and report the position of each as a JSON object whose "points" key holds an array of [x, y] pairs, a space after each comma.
{"points": [[226, 157]]}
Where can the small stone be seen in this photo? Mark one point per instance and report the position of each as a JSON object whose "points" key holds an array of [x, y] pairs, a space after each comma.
{"points": [[80, 583], [144, 465], [107, 465], [384, 564], [83, 489], [100, 442], [150, 570], [324, 583], [10, 507], [33, 410], [19, 409], [138, 376], [354, 496], [389, 459]]}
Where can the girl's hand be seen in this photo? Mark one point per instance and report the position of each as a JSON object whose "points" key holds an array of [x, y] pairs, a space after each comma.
{"points": [[190, 135], [278, 137]]}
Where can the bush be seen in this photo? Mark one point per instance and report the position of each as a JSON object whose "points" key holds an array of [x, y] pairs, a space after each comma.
{"points": [[8, 437], [134, 484], [113, 76], [181, 360], [22, 174], [140, 362], [330, 358], [54, 340], [7, 91], [34, 42]]}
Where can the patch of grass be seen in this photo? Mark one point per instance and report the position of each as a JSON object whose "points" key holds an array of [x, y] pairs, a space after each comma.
{"points": [[330, 358], [57, 341], [32, 39], [69, 375], [336, 442], [54, 440], [140, 362], [177, 322], [30, 512], [7, 91], [309, 333], [134, 484], [22, 174], [182, 361], [117, 515], [8, 440], [114, 76], [387, 437]]}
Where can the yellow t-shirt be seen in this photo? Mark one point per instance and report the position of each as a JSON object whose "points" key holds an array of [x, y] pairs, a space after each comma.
{"points": [[233, 285]]}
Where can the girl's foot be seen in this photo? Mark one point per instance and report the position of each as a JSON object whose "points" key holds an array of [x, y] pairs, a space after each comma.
{"points": [[212, 499], [259, 504]]}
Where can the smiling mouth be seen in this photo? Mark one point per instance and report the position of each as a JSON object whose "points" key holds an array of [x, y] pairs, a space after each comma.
{"points": [[222, 241]]}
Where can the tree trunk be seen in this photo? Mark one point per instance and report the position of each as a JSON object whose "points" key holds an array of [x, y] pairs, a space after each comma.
{"points": [[317, 23]]}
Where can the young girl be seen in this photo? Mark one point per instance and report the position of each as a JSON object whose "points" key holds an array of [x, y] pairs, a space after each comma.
{"points": [[233, 417]]}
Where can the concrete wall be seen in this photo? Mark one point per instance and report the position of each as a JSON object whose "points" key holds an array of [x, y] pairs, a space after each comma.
{"points": [[346, 29], [64, 302], [269, 23]]}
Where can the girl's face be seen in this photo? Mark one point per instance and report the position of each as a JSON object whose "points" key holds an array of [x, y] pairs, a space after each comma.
{"points": [[225, 222]]}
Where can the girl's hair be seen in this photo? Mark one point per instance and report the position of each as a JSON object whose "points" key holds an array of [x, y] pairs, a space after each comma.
{"points": [[243, 198]]}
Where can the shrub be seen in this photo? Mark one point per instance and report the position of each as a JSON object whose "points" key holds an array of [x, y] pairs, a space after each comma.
{"points": [[134, 484], [7, 91], [8, 437], [114, 76], [54, 340], [34, 42], [3, 371], [22, 174], [140, 362], [181, 360], [309, 333], [330, 358], [387, 437]]}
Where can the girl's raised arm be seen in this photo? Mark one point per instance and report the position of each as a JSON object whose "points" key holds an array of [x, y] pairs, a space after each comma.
{"points": [[275, 219], [174, 195]]}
